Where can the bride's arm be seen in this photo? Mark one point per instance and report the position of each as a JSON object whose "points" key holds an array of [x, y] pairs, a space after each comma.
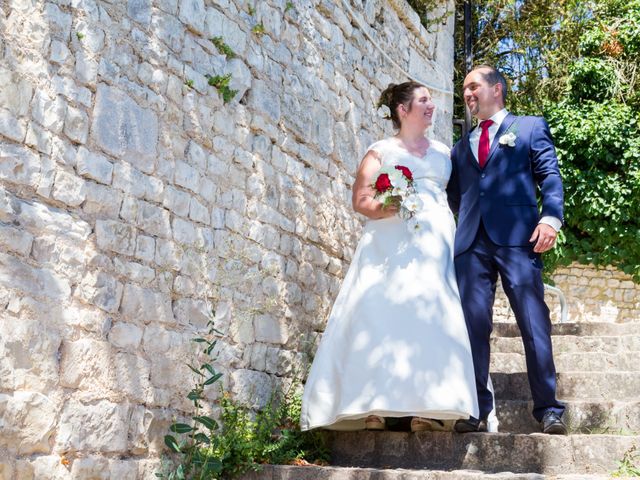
{"points": [[362, 198]]}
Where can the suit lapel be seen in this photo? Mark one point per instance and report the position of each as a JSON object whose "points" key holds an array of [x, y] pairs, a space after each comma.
{"points": [[504, 126]]}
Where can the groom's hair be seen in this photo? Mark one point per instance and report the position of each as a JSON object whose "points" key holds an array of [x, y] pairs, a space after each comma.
{"points": [[493, 76]]}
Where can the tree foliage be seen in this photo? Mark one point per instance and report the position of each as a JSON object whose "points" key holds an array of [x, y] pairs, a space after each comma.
{"points": [[576, 63]]}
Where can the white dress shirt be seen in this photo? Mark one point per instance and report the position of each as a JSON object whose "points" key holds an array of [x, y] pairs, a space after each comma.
{"points": [[474, 141]]}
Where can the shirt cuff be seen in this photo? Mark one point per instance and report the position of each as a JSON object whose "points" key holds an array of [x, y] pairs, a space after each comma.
{"points": [[553, 222]]}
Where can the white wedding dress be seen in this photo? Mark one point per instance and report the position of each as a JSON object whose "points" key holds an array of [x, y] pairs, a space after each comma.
{"points": [[396, 343]]}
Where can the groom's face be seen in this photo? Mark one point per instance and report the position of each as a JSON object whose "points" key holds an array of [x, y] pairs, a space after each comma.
{"points": [[482, 99]]}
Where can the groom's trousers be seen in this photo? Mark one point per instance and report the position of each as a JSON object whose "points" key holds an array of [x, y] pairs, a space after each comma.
{"points": [[520, 270]]}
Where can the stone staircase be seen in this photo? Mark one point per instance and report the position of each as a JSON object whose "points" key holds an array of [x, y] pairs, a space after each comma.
{"points": [[598, 368]]}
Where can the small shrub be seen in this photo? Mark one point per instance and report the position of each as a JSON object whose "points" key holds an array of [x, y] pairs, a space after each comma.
{"points": [[223, 48], [221, 82]]}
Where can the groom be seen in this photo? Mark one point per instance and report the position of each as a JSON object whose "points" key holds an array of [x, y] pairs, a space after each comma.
{"points": [[497, 170]]}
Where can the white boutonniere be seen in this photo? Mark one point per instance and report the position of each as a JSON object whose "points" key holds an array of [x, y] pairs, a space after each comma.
{"points": [[509, 139], [384, 111]]}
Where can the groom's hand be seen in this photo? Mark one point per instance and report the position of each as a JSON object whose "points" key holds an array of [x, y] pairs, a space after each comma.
{"points": [[545, 237]]}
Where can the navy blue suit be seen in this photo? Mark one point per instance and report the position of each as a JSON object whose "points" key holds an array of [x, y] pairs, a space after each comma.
{"points": [[497, 213]]}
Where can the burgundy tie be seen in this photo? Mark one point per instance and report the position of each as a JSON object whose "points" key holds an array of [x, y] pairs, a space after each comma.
{"points": [[484, 146]]}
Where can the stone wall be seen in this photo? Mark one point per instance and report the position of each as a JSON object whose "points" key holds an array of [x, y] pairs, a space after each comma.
{"points": [[593, 294], [133, 200]]}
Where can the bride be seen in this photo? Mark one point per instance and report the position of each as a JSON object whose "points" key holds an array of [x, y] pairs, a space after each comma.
{"points": [[396, 344]]}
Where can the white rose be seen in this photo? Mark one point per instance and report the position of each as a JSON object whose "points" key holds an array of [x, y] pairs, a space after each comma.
{"points": [[508, 139], [413, 203]]}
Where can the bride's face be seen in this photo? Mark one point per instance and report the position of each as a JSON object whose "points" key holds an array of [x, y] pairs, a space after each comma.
{"points": [[420, 111]]}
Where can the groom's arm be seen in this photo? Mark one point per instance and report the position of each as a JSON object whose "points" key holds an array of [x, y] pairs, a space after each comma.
{"points": [[546, 171], [547, 175], [453, 187]]}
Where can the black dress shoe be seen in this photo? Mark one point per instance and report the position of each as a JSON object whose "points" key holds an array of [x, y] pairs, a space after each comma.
{"points": [[552, 424], [470, 425]]}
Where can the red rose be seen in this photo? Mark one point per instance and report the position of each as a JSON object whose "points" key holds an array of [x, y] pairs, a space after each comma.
{"points": [[405, 171], [383, 183]]}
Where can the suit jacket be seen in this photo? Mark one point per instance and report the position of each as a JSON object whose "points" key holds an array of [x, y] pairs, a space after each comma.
{"points": [[504, 193]]}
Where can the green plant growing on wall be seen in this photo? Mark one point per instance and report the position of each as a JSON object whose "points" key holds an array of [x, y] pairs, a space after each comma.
{"points": [[79, 35], [189, 83], [221, 83], [425, 9], [259, 29], [243, 441], [629, 466], [251, 10], [288, 6], [223, 48]]}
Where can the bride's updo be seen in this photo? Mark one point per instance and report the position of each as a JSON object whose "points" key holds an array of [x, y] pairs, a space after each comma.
{"points": [[396, 94]]}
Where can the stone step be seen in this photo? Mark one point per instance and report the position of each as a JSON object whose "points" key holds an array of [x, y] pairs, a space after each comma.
{"points": [[582, 329], [313, 472], [572, 343], [570, 362], [594, 386], [490, 453], [606, 417]]}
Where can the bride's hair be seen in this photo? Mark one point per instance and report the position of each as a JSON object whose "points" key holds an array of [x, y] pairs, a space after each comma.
{"points": [[396, 94]]}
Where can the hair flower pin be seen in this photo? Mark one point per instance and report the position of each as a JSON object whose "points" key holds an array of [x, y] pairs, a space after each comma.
{"points": [[384, 111]]}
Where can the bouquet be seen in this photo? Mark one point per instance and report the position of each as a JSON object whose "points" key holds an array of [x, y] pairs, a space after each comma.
{"points": [[394, 186]]}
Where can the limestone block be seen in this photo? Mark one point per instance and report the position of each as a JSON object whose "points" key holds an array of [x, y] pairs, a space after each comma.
{"points": [[184, 232], [219, 25], [28, 422], [59, 52], [258, 356], [134, 271], [196, 155], [38, 282], [132, 373], [15, 240], [251, 388], [16, 92], [153, 219], [270, 330], [19, 165], [29, 350], [101, 290], [143, 305], [240, 77], [94, 166], [115, 236], [192, 312], [69, 188], [101, 200], [281, 362], [145, 248], [193, 14], [99, 427], [59, 22], [186, 176], [39, 138], [207, 189], [94, 468], [123, 129], [125, 335], [123, 469], [147, 430], [86, 68], [262, 99], [139, 11], [87, 364], [157, 340], [76, 125], [177, 201], [168, 254], [11, 127], [198, 212], [67, 87], [130, 180]]}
